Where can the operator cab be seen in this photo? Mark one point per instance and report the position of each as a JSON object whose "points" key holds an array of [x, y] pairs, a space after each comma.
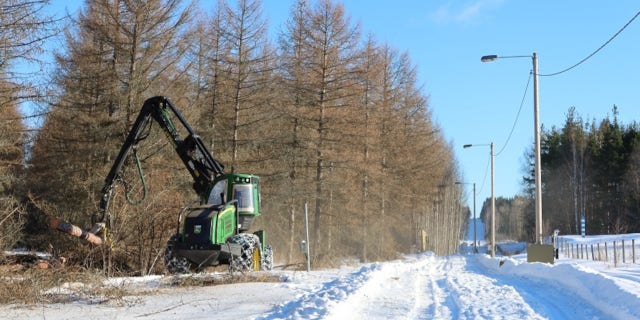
{"points": [[245, 188]]}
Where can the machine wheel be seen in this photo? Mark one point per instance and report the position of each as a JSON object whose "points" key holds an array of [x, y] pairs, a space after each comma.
{"points": [[267, 258], [250, 255], [173, 263]]}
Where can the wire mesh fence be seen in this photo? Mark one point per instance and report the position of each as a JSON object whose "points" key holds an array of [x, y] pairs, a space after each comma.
{"points": [[623, 251]]}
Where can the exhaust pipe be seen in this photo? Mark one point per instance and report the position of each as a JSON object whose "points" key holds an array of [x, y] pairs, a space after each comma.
{"points": [[73, 230]]}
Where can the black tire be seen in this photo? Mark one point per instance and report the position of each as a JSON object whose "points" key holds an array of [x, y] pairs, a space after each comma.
{"points": [[267, 258], [250, 256], [173, 263]]}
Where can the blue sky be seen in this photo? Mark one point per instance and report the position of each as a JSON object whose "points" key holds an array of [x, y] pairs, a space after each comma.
{"points": [[477, 103]]}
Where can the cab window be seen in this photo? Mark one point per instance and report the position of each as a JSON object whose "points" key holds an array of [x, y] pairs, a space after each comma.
{"points": [[218, 193], [244, 194]]}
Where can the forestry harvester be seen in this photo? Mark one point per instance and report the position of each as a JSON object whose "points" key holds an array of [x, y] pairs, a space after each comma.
{"points": [[210, 232]]}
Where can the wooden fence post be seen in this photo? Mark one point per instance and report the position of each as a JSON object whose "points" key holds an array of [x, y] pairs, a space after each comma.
{"points": [[573, 244], [599, 254], [580, 251]]}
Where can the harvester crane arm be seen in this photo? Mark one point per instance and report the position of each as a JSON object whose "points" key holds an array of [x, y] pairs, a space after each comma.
{"points": [[212, 232], [192, 151]]}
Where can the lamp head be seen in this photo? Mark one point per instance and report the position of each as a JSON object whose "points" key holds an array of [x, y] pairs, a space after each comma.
{"points": [[467, 146], [489, 58]]}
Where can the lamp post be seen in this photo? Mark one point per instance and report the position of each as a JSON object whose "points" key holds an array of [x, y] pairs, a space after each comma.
{"points": [[475, 241], [493, 200], [538, 174]]}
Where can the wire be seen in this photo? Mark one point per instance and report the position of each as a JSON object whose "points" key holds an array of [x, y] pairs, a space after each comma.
{"points": [[594, 52], [524, 95], [486, 172], [515, 122]]}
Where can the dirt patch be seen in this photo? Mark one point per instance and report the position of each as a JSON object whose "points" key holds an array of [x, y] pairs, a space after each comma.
{"points": [[214, 279]]}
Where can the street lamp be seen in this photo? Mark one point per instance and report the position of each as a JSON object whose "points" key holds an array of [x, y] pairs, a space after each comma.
{"points": [[493, 200], [538, 174], [475, 241]]}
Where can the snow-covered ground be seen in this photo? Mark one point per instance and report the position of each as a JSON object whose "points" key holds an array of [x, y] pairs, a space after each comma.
{"points": [[422, 286]]}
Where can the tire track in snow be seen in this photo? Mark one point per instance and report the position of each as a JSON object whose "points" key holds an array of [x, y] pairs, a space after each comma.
{"points": [[414, 288], [451, 305], [477, 295], [315, 303], [430, 287], [440, 306], [418, 287], [394, 289]]}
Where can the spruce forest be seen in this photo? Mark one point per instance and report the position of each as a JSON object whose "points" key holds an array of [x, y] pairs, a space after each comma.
{"points": [[325, 115], [590, 171]]}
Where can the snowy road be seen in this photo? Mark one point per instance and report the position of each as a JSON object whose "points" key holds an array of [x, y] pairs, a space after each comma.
{"points": [[421, 286], [430, 287]]}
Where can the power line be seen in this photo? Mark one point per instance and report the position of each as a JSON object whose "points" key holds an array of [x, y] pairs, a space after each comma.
{"points": [[484, 179], [594, 52], [524, 95]]}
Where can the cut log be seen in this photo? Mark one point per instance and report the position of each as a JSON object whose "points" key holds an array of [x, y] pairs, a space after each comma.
{"points": [[73, 230]]}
